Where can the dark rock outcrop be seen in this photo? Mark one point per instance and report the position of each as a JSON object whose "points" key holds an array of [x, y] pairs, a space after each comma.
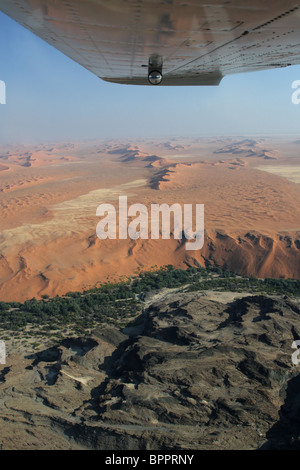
{"points": [[189, 373]]}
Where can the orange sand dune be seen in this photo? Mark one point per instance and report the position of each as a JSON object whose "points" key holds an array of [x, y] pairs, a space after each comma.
{"points": [[75, 262], [48, 242]]}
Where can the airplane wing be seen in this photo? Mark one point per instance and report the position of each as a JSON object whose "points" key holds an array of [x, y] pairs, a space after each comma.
{"points": [[171, 42]]}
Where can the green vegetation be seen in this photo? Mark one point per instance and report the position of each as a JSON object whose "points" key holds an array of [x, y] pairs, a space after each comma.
{"points": [[213, 278], [118, 303]]}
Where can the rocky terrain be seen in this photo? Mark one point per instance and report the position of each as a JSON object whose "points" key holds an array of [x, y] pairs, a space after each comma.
{"points": [[193, 371]]}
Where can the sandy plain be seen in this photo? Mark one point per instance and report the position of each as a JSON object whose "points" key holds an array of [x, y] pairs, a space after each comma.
{"points": [[49, 195]]}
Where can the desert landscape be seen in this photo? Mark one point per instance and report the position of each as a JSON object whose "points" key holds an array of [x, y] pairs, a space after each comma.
{"points": [[127, 127], [141, 344], [49, 195]]}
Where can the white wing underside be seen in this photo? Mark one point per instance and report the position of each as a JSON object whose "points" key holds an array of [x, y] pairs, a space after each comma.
{"points": [[198, 41]]}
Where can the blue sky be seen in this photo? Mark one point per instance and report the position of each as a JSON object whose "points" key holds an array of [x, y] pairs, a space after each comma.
{"points": [[51, 98]]}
